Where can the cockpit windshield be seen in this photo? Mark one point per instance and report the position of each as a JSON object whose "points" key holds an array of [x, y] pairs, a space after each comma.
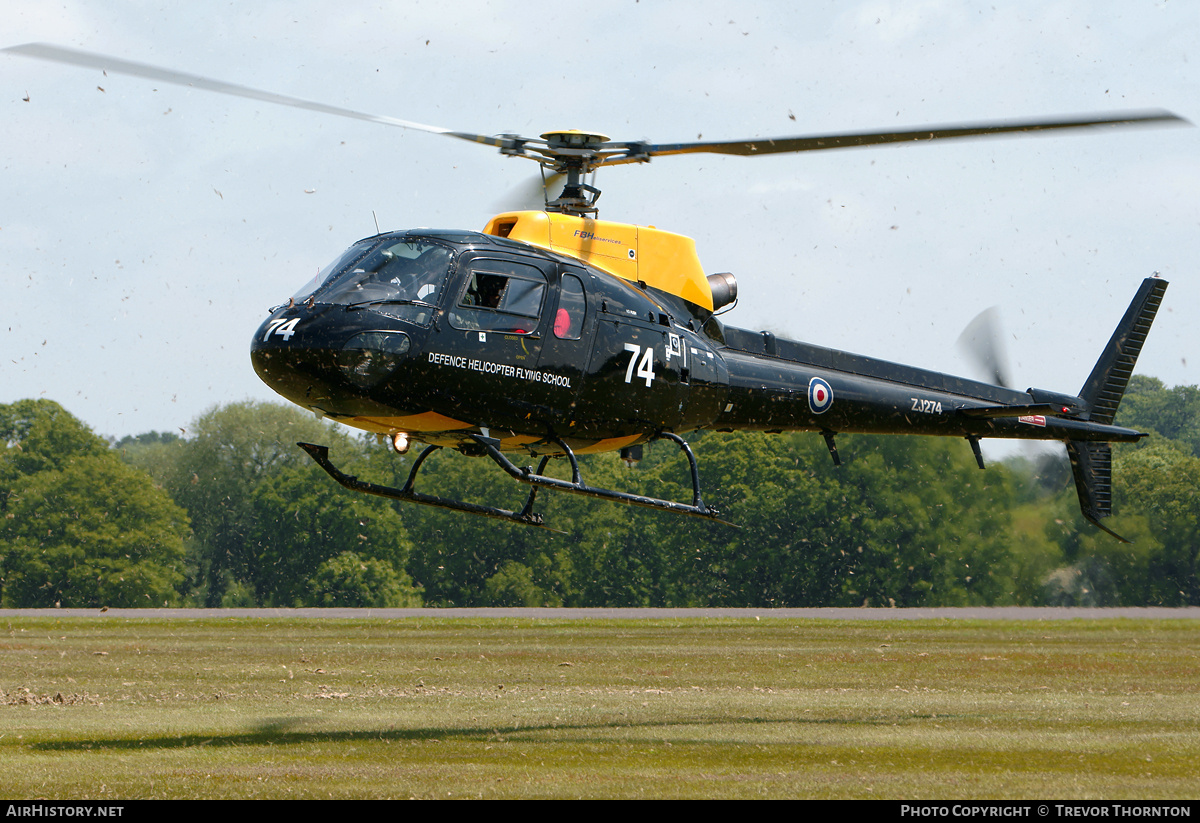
{"points": [[402, 278]]}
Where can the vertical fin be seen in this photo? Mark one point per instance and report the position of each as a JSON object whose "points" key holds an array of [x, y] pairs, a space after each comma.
{"points": [[1091, 463], [1106, 385]]}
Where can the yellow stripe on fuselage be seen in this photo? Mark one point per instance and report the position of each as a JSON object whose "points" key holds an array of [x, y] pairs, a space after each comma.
{"points": [[412, 423]]}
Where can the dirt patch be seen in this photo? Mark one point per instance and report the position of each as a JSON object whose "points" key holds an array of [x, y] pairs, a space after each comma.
{"points": [[26, 697]]}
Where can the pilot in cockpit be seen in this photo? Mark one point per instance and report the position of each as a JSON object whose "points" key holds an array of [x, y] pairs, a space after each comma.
{"points": [[417, 279], [428, 271]]}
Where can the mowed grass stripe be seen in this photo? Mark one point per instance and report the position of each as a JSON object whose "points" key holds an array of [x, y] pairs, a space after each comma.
{"points": [[96, 707]]}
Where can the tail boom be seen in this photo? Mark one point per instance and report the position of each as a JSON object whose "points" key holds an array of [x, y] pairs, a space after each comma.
{"points": [[783, 385]]}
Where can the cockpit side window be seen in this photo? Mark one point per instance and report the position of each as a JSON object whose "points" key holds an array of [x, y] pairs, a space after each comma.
{"points": [[500, 295], [568, 320]]}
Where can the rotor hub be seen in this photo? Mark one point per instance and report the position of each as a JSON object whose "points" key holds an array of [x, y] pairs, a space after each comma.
{"points": [[575, 139]]}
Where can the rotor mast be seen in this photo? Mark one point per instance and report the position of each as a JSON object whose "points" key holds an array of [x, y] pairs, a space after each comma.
{"points": [[574, 154]]}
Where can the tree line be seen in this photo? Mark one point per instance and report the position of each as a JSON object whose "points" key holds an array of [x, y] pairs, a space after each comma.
{"points": [[234, 514]]}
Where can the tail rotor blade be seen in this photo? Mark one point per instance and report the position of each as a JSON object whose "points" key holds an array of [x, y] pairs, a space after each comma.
{"points": [[982, 344]]}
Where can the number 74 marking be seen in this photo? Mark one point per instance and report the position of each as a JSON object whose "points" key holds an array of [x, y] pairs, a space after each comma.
{"points": [[645, 366], [283, 327]]}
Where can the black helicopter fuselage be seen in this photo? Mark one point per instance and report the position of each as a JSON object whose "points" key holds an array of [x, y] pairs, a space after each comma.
{"points": [[446, 336], [591, 335], [508, 339]]}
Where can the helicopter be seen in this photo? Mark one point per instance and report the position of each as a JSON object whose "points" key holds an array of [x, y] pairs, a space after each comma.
{"points": [[552, 333]]}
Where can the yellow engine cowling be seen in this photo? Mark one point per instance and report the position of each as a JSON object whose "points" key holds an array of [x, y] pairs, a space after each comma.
{"points": [[660, 259]]}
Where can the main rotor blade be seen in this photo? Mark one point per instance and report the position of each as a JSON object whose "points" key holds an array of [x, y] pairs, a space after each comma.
{"points": [[589, 158], [74, 57], [780, 145]]}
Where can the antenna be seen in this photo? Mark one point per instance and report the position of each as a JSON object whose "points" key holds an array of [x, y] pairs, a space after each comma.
{"points": [[375, 217]]}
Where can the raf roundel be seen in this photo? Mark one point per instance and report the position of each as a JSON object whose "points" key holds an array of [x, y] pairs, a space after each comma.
{"points": [[820, 395]]}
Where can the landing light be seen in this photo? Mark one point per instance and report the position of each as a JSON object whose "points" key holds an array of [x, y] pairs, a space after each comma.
{"points": [[400, 442]]}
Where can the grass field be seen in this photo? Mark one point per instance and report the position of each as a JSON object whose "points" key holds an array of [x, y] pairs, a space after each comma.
{"points": [[114, 708]]}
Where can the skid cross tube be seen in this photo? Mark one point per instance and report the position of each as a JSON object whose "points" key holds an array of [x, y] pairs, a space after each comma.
{"points": [[537, 480], [525, 517], [575, 485]]}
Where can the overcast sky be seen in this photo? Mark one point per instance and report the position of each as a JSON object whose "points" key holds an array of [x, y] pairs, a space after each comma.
{"points": [[145, 229]]}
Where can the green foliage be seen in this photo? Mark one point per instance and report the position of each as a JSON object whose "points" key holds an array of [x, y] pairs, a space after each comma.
{"points": [[1159, 485], [1156, 505], [1171, 413], [40, 435], [906, 520], [238, 595], [152, 438], [349, 580], [80, 527], [786, 549], [454, 554], [1034, 553], [1041, 476], [937, 528], [213, 474], [514, 585], [157, 454], [909, 521], [303, 520], [265, 517]]}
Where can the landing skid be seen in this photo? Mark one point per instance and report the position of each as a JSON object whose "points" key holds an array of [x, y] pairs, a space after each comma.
{"points": [[526, 516]]}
